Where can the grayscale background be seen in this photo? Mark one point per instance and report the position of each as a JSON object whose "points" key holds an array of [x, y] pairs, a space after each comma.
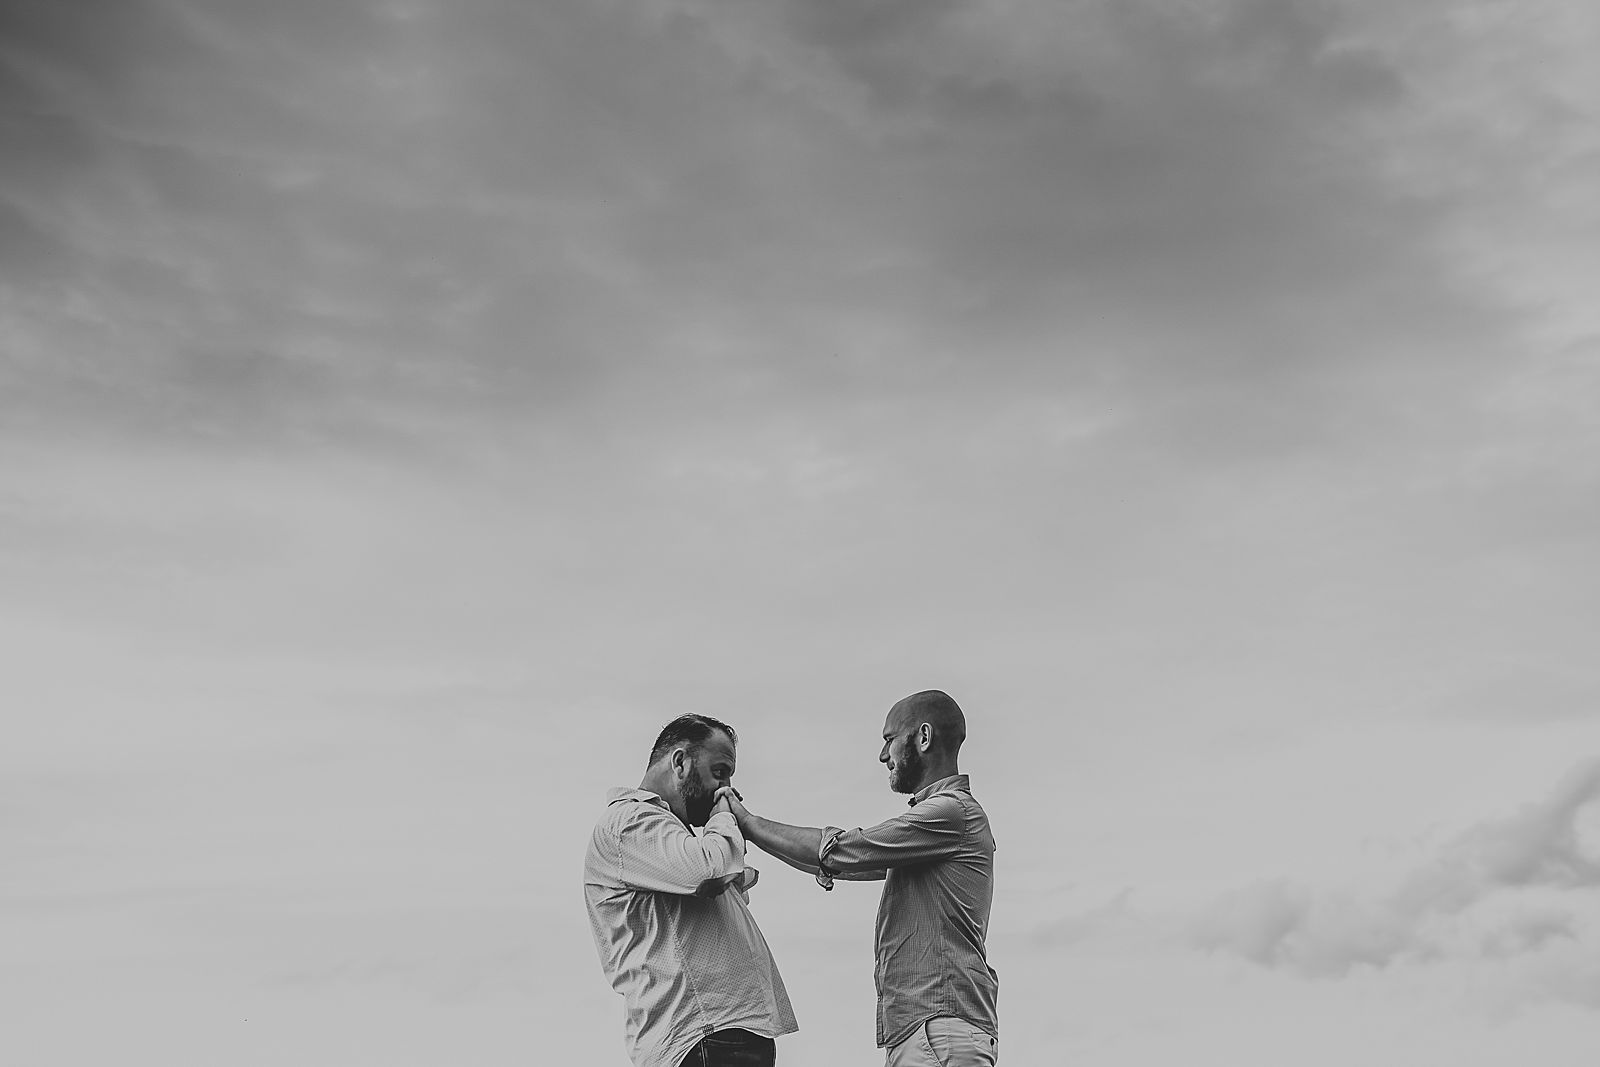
{"points": [[407, 407]]}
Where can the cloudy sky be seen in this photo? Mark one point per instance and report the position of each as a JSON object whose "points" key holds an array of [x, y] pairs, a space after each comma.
{"points": [[406, 407]]}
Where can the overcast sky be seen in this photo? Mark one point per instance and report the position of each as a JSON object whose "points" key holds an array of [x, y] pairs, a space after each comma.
{"points": [[406, 408]]}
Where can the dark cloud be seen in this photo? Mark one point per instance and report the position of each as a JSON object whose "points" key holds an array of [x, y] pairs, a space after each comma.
{"points": [[94, 45], [27, 245], [875, 42], [671, 263], [842, 26], [622, 216]]}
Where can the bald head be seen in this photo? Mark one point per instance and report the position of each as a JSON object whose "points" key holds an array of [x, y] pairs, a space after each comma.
{"points": [[939, 710], [922, 735]]}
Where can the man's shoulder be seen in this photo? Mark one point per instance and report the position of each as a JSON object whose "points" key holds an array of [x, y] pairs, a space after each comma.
{"points": [[955, 791], [625, 807], [944, 806], [619, 794], [951, 800], [626, 811]]}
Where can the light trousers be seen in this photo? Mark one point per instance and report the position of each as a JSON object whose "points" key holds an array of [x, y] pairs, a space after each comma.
{"points": [[945, 1041]]}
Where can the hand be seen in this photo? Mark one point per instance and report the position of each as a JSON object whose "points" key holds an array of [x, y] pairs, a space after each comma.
{"points": [[728, 799], [721, 806]]}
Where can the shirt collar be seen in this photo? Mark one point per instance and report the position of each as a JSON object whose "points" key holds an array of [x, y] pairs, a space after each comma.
{"points": [[955, 781], [614, 795]]}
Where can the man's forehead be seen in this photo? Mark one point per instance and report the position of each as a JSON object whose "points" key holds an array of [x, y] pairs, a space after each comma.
{"points": [[719, 746]]}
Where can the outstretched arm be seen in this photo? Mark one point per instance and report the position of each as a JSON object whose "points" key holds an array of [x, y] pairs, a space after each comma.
{"points": [[798, 846], [932, 829]]}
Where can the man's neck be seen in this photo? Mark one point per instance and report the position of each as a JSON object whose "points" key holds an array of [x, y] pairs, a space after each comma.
{"points": [[661, 786], [935, 774]]}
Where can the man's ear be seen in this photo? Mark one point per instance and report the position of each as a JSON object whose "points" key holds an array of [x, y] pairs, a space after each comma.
{"points": [[925, 737], [680, 761]]}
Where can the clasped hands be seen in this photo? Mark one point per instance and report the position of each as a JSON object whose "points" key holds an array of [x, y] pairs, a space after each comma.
{"points": [[728, 800]]}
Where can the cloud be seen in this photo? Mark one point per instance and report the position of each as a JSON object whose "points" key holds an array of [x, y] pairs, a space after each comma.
{"points": [[1104, 301], [1543, 845], [825, 211], [1508, 888]]}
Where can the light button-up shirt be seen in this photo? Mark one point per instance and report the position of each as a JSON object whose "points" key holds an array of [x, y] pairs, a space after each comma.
{"points": [[685, 965]]}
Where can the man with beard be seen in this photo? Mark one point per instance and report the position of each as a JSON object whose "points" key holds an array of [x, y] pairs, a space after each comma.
{"points": [[698, 980], [936, 990]]}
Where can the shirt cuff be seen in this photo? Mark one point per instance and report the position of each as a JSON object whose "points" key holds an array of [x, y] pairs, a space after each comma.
{"points": [[725, 824], [830, 838]]}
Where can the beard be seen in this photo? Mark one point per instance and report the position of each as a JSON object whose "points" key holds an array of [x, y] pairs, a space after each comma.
{"points": [[697, 800], [907, 773]]}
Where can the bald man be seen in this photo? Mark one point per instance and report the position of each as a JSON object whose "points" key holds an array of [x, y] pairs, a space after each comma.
{"points": [[936, 990]]}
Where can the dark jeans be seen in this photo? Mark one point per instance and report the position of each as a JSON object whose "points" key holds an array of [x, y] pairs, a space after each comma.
{"points": [[732, 1048]]}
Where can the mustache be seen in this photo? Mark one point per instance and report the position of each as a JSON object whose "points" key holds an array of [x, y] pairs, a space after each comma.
{"points": [[697, 800]]}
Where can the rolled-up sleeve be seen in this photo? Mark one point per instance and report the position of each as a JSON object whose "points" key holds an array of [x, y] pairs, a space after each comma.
{"points": [[656, 852], [929, 831]]}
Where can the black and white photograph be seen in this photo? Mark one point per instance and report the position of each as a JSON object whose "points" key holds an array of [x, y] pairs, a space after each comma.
{"points": [[799, 533]]}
